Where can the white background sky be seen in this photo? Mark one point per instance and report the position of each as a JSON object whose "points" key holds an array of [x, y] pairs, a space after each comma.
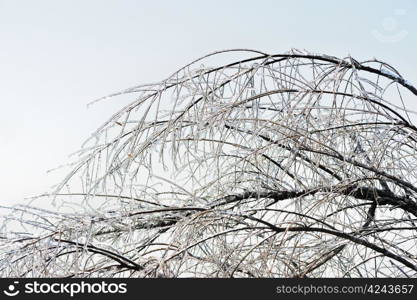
{"points": [[56, 56]]}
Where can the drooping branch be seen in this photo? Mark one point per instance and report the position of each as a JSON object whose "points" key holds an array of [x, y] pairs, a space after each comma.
{"points": [[241, 163]]}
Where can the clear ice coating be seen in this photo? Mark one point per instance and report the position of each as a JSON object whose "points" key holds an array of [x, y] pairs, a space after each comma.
{"points": [[240, 164]]}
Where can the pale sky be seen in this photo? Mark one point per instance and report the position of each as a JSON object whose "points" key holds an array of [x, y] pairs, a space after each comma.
{"points": [[56, 56]]}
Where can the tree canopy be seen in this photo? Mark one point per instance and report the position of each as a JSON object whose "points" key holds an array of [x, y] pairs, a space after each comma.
{"points": [[240, 164]]}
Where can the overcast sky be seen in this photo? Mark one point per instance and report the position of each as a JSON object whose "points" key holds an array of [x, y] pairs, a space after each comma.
{"points": [[56, 56]]}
